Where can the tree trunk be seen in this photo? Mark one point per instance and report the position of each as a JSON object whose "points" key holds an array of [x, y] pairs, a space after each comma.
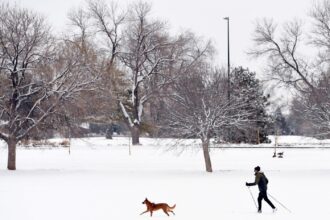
{"points": [[207, 158], [11, 154], [135, 131], [108, 134]]}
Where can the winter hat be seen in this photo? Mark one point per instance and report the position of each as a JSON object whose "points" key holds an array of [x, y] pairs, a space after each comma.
{"points": [[257, 168]]}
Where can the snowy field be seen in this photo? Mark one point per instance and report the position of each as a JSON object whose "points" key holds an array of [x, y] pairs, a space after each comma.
{"points": [[99, 180]]}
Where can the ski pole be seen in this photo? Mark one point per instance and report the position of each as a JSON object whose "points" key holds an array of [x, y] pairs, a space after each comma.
{"points": [[279, 203], [254, 201]]}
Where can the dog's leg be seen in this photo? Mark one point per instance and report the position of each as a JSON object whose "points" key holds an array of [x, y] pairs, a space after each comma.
{"points": [[150, 213], [166, 212], [143, 212], [172, 212]]}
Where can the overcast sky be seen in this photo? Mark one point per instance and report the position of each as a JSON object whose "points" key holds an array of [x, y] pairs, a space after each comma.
{"points": [[204, 17]]}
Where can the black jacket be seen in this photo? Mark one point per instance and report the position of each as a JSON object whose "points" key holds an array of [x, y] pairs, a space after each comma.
{"points": [[261, 180]]}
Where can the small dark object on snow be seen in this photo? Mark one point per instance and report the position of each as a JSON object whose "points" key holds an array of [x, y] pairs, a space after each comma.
{"points": [[280, 154], [274, 155]]}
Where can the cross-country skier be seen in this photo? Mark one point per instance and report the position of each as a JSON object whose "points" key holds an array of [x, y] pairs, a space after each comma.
{"points": [[262, 182]]}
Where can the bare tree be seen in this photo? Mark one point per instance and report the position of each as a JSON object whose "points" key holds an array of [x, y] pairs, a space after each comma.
{"points": [[199, 108], [287, 65], [100, 26], [40, 74], [320, 36], [79, 28], [306, 109], [146, 51], [107, 21]]}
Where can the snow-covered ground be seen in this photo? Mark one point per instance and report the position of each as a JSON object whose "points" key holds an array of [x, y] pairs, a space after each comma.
{"points": [[99, 180]]}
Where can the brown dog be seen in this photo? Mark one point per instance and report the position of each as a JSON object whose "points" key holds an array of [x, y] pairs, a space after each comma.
{"points": [[156, 206]]}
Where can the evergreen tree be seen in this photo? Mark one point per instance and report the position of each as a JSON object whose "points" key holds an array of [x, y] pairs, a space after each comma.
{"points": [[245, 87], [281, 126]]}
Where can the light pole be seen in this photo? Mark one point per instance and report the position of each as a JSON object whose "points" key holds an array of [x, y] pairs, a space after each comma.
{"points": [[227, 18]]}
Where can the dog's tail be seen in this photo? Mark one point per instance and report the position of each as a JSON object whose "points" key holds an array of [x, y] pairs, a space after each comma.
{"points": [[173, 206]]}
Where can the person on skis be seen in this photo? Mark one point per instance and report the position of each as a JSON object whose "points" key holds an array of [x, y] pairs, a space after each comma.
{"points": [[262, 182]]}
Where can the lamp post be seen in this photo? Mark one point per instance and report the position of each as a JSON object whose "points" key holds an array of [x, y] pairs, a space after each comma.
{"points": [[227, 18]]}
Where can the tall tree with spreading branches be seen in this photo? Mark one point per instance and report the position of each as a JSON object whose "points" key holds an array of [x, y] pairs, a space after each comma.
{"points": [[38, 73], [287, 64]]}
